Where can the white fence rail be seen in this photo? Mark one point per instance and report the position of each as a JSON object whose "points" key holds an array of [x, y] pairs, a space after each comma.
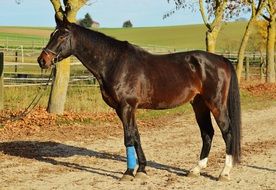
{"points": [[34, 81]]}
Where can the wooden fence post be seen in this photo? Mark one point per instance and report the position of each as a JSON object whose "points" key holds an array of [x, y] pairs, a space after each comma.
{"points": [[263, 70], [246, 68], [1, 80], [16, 60]]}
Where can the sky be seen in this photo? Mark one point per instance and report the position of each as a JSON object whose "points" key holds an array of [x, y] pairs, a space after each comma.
{"points": [[109, 13]]}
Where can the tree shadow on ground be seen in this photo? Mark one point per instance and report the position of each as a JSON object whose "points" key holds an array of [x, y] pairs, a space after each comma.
{"points": [[47, 151]]}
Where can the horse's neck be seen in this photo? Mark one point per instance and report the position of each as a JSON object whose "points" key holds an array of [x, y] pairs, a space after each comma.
{"points": [[96, 57]]}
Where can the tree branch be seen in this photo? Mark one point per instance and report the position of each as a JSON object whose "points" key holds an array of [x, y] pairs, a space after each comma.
{"points": [[266, 18], [217, 3], [72, 7], [203, 15], [272, 8], [58, 8], [83, 2], [218, 14], [253, 7], [260, 8], [257, 11]]}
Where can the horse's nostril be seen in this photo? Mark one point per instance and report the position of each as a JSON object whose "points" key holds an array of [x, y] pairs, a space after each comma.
{"points": [[41, 62]]}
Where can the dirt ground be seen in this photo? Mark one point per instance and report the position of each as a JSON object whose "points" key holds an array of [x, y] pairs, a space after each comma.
{"points": [[92, 156]]}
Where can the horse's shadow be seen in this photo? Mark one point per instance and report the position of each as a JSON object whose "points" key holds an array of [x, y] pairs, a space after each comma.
{"points": [[47, 151]]}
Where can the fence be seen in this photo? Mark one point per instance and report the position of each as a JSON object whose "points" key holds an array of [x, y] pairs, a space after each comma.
{"points": [[1, 80], [30, 74], [21, 67], [254, 65], [27, 74], [32, 44]]}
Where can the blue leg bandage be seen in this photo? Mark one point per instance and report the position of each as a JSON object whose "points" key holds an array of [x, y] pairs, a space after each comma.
{"points": [[131, 157]]}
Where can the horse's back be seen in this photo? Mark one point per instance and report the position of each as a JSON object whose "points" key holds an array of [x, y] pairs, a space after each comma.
{"points": [[177, 78]]}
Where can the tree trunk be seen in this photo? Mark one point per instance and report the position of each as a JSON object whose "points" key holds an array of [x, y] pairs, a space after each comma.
{"points": [[256, 12], [58, 94], [59, 87], [243, 47], [211, 39], [213, 28], [1, 81], [270, 47]]}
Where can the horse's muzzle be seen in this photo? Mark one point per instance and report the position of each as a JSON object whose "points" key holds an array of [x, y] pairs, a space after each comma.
{"points": [[42, 63], [44, 60]]}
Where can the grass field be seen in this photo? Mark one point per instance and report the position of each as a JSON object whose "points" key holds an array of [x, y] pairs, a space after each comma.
{"points": [[172, 38], [88, 99]]}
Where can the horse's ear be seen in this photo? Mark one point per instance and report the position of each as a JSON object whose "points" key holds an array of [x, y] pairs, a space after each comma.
{"points": [[59, 22], [62, 22], [66, 23]]}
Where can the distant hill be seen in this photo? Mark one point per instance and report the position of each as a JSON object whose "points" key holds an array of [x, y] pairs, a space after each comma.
{"points": [[180, 37]]}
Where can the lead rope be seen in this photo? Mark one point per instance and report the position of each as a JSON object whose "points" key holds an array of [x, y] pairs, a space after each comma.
{"points": [[33, 103]]}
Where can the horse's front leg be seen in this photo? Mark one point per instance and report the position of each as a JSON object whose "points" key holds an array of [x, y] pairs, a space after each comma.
{"points": [[132, 143]]}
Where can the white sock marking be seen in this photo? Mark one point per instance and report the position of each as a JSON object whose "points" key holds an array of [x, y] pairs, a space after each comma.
{"points": [[227, 165], [203, 163], [200, 165], [229, 161]]}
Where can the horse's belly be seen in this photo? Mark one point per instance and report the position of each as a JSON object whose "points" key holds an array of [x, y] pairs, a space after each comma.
{"points": [[169, 99]]}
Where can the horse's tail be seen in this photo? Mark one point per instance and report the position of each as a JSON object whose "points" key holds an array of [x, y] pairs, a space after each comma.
{"points": [[234, 111]]}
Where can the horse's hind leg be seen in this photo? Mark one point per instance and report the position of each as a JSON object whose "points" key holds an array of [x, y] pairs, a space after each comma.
{"points": [[222, 119], [203, 118]]}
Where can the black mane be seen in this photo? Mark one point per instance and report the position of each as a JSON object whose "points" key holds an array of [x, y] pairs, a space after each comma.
{"points": [[103, 41]]}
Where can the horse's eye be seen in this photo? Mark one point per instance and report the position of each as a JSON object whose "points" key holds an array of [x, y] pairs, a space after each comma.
{"points": [[61, 37]]}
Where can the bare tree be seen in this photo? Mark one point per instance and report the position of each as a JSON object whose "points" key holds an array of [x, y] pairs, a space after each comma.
{"points": [[270, 44], [257, 8], [213, 25], [213, 13]]}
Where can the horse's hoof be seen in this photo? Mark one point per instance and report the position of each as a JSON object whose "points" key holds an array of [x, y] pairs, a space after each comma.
{"points": [[193, 174], [141, 176], [224, 178], [127, 178]]}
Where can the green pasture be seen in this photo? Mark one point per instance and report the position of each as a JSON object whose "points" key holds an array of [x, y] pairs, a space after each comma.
{"points": [[19, 37], [180, 37], [171, 38]]}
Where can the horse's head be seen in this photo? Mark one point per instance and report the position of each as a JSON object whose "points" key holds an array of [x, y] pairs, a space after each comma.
{"points": [[59, 46]]}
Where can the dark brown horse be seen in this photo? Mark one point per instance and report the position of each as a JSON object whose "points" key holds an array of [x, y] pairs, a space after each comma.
{"points": [[131, 78]]}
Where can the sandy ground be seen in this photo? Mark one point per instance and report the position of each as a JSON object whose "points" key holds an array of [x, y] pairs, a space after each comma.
{"points": [[50, 162]]}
